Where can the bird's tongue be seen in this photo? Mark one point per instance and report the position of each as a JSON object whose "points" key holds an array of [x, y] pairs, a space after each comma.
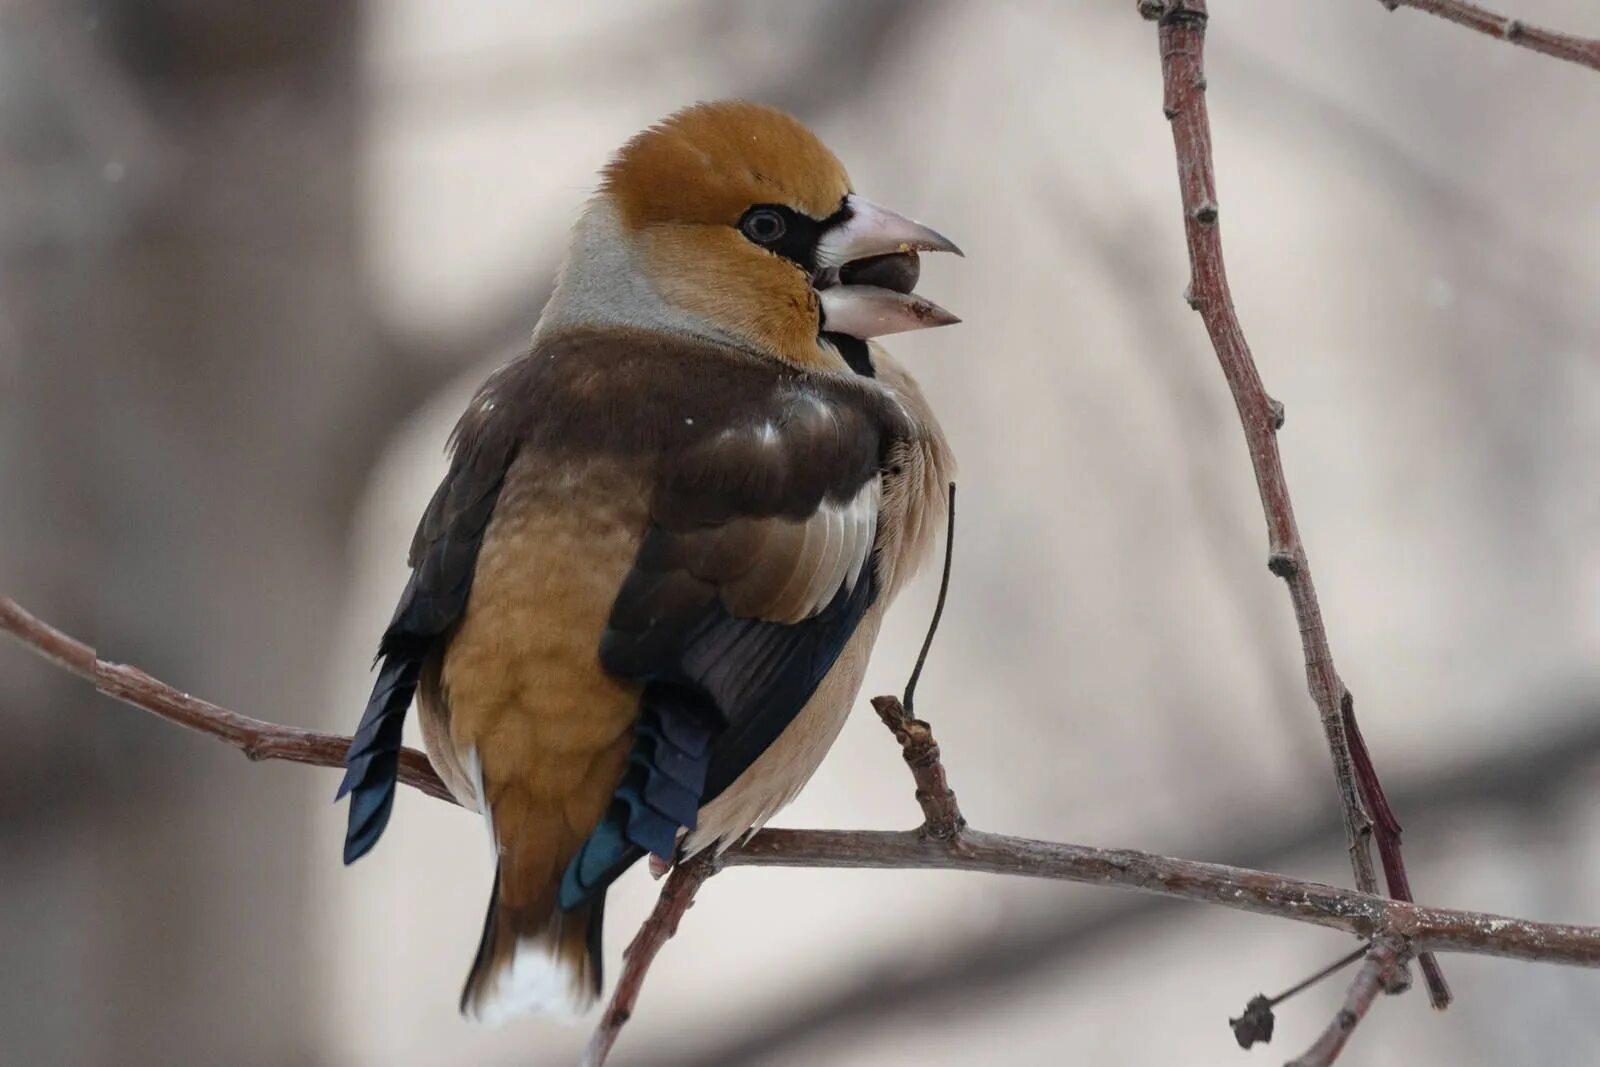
{"points": [[896, 271]]}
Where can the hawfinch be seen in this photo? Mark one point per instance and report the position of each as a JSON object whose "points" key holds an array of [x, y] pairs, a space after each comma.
{"points": [[642, 599]]}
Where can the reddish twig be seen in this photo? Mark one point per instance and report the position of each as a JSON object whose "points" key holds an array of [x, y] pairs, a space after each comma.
{"points": [[257, 739], [1384, 971], [941, 814], [1585, 51], [677, 897], [1182, 26], [1388, 835]]}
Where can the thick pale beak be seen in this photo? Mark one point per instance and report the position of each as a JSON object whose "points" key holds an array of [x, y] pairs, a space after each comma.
{"points": [[873, 231], [866, 311], [873, 310]]}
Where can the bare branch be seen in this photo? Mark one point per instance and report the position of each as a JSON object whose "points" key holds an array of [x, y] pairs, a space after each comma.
{"points": [[941, 815], [1384, 971], [1182, 27], [257, 739], [1362, 914], [1056, 934], [677, 897], [1585, 51]]}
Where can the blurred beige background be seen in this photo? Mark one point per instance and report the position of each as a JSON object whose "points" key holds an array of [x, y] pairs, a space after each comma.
{"points": [[254, 257]]}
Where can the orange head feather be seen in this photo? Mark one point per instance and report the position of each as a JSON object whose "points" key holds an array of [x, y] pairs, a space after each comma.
{"points": [[708, 163], [680, 189], [745, 228]]}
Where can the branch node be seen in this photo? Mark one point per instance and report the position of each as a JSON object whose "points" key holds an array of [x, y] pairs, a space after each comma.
{"points": [[1397, 979], [1275, 406], [1513, 29], [1190, 297], [941, 815], [1174, 12], [1385, 970], [1283, 564], [1205, 212]]}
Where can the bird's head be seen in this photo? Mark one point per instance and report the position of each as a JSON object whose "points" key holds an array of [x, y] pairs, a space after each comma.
{"points": [[739, 217]]}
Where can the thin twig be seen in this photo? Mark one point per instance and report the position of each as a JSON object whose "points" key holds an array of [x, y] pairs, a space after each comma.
{"points": [[1388, 835], [1585, 51], [1182, 27], [677, 897], [1257, 1022], [941, 816], [1383, 971], [257, 739]]}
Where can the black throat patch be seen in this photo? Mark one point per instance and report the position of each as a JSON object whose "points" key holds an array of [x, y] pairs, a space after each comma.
{"points": [[854, 350]]}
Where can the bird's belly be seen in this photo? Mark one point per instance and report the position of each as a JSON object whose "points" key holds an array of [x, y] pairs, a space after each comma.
{"points": [[524, 712], [780, 772]]}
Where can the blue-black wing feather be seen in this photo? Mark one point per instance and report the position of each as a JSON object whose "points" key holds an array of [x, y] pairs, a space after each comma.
{"points": [[444, 555]]}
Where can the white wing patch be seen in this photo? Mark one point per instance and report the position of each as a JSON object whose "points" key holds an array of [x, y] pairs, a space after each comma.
{"points": [[797, 567], [845, 533]]}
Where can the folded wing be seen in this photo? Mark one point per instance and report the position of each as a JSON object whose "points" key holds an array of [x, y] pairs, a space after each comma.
{"points": [[756, 569]]}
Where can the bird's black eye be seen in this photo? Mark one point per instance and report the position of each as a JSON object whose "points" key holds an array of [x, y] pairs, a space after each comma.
{"points": [[763, 225]]}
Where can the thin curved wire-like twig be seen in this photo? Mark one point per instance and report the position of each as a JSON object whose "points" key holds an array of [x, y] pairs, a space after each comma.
{"points": [[1384, 971]]}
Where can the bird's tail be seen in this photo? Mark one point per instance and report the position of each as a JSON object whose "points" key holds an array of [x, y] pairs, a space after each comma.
{"points": [[534, 959]]}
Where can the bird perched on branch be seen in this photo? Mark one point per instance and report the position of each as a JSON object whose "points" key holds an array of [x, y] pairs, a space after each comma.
{"points": [[643, 597]]}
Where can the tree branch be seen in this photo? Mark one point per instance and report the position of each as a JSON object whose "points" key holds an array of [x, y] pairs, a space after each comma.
{"points": [[1182, 27], [1584, 51], [1036, 942], [676, 898], [1362, 914], [1383, 971], [941, 816], [257, 739]]}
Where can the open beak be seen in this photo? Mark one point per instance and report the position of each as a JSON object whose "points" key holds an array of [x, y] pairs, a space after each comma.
{"points": [[868, 266]]}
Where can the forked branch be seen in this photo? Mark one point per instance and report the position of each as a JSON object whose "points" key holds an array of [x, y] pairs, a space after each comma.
{"points": [[1182, 30], [1364, 915]]}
